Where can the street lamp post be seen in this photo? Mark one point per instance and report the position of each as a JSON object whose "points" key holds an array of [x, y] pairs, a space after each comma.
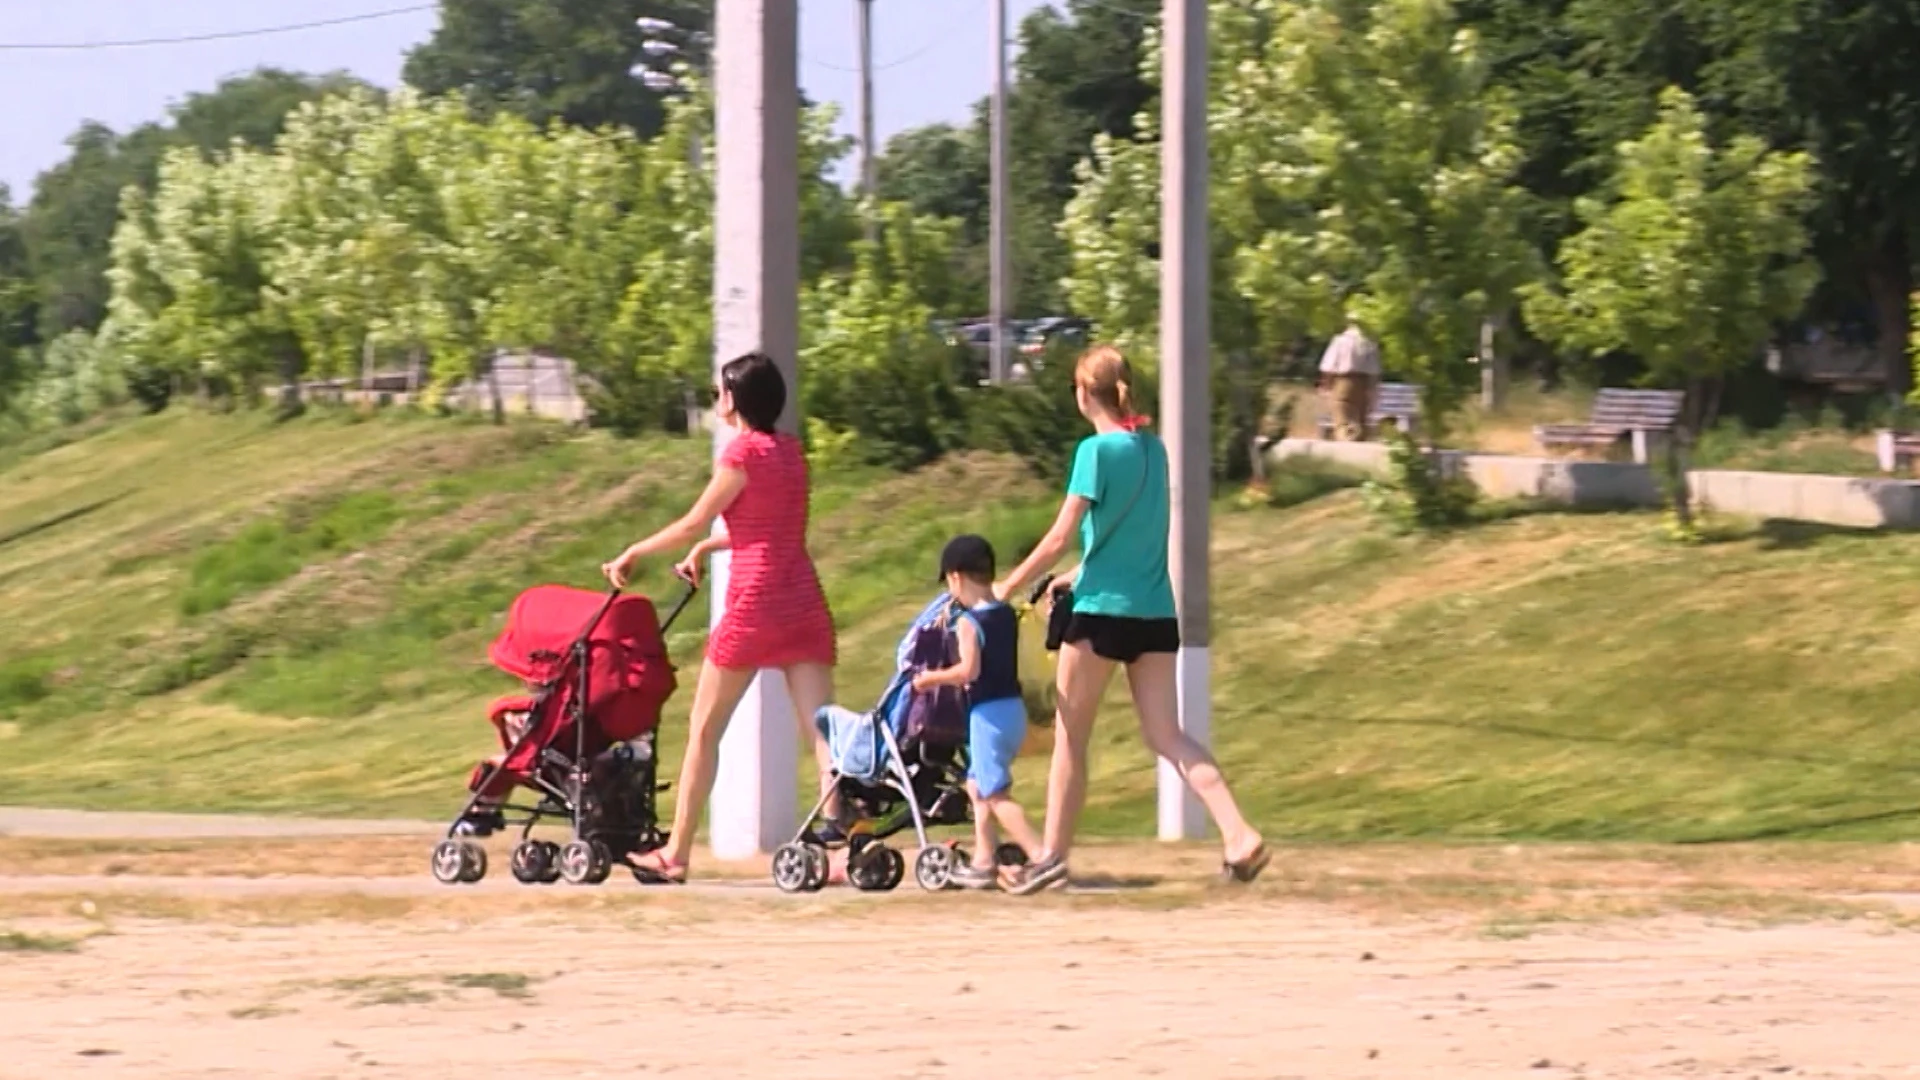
{"points": [[668, 50]]}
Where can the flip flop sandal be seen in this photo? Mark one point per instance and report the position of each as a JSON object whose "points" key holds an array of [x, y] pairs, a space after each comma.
{"points": [[657, 871], [1249, 868]]}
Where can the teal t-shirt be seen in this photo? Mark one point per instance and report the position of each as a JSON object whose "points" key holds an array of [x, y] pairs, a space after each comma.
{"points": [[1124, 567]]}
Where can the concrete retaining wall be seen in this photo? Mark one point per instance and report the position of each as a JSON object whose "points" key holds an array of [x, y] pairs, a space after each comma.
{"points": [[1848, 501], [1854, 501]]}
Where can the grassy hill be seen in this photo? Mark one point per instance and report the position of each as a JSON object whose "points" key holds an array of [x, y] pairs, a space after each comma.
{"points": [[220, 613]]}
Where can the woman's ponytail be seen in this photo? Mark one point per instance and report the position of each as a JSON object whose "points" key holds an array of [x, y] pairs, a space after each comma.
{"points": [[1106, 377]]}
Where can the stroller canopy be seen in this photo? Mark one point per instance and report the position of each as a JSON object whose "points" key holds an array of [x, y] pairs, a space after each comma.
{"points": [[628, 675]]}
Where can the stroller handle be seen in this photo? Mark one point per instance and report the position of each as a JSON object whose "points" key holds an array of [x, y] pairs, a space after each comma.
{"points": [[1039, 589], [686, 597]]}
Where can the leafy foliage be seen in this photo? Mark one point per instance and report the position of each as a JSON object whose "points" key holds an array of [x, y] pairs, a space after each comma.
{"points": [[1362, 163], [76, 204], [1416, 495], [1691, 259], [549, 61]]}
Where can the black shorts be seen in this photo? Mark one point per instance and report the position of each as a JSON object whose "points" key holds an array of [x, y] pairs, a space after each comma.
{"points": [[1123, 640]]}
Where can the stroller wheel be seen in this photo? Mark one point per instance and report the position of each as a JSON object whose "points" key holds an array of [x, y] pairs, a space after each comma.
{"points": [[1010, 855], [819, 867], [553, 862], [532, 862], [449, 862], [933, 867], [877, 869], [792, 868], [584, 863], [475, 858]]}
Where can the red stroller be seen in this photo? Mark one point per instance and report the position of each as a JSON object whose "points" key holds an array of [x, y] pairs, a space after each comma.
{"points": [[582, 738]]}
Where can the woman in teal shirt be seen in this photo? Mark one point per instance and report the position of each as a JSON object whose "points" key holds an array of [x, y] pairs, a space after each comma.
{"points": [[1123, 615]]}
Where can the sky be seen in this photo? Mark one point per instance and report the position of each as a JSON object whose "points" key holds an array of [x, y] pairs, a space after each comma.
{"points": [[931, 60]]}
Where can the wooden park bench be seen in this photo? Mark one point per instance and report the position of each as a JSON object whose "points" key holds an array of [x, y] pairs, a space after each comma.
{"points": [[1399, 402], [1897, 450], [1644, 416]]}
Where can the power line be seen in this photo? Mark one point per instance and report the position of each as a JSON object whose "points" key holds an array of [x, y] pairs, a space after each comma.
{"points": [[224, 35], [934, 42], [1143, 16]]}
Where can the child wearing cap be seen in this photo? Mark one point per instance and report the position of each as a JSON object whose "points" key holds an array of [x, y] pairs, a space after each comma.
{"points": [[988, 633]]}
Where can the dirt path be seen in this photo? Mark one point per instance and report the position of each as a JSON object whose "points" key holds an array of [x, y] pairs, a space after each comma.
{"points": [[1000, 989], [321, 955]]}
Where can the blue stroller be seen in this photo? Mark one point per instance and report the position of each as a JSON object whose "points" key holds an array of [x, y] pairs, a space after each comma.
{"points": [[901, 764]]}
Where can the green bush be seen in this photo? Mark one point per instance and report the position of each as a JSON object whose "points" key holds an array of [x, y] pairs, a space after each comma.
{"points": [[904, 405], [1415, 496], [23, 682]]}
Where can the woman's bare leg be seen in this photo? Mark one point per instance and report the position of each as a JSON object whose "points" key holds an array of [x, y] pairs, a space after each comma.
{"points": [[1081, 682], [1156, 699], [715, 697], [810, 688]]}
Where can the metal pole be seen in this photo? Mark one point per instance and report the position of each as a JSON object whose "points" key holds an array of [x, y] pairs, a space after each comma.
{"points": [[1186, 367], [756, 287], [1000, 291], [869, 177]]}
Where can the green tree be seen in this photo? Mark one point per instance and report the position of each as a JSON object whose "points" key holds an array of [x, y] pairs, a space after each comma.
{"points": [[1361, 163], [16, 303], [190, 271], [549, 60], [76, 204], [77, 379], [1078, 74], [1689, 260], [1825, 76], [872, 365]]}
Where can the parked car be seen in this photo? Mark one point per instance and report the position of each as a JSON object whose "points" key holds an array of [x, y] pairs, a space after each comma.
{"points": [[1054, 330]]}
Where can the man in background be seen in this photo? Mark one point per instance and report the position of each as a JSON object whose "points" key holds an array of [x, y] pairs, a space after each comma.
{"points": [[1349, 374]]}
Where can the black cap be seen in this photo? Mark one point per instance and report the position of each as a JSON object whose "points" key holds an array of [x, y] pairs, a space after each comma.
{"points": [[970, 555]]}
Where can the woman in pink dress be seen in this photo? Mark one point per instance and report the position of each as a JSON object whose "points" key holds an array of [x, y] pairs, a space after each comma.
{"points": [[776, 614]]}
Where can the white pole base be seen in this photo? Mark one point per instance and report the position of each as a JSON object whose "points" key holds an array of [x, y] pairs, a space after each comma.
{"points": [[755, 793], [1182, 817]]}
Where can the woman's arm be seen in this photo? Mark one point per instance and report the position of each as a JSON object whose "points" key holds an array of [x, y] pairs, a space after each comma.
{"points": [[690, 567], [1050, 549], [961, 673], [726, 485]]}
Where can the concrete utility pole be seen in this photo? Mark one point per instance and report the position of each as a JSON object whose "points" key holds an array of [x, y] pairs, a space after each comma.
{"points": [[756, 288], [1186, 364], [869, 174], [1000, 256]]}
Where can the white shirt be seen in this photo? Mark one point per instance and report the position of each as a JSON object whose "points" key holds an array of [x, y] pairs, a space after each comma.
{"points": [[1350, 354]]}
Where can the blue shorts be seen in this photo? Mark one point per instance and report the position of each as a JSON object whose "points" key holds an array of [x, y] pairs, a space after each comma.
{"points": [[995, 730]]}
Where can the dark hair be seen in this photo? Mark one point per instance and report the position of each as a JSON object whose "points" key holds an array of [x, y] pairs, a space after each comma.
{"points": [[969, 556], [759, 390]]}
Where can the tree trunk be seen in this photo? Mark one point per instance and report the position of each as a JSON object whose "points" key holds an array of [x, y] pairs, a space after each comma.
{"points": [[1889, 286], [290, 402], [1494, 366], [493, 387]]}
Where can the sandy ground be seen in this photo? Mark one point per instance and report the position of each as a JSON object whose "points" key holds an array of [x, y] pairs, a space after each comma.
{"points": [[192, 957]]}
